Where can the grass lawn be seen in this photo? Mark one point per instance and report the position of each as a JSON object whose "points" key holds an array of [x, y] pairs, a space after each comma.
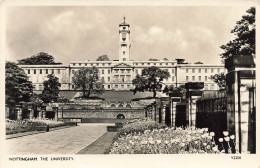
{"points": [[101, 145]]}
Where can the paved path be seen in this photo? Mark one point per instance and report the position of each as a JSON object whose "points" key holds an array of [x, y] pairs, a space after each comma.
{"points": [[63, 141]]}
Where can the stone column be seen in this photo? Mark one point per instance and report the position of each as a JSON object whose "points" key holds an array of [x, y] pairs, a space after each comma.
{"points": [[31, 112], [18, 110], [240, 107], [194, 92], [175, 98]]}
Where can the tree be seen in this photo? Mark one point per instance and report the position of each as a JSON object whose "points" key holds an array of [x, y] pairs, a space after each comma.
{"points": [[38, 59], [220, 79], [150, 80], [152, 59], [103, 58], [244, 42], [51, 89], [198, 62], [87, 79], [18, 88], [165, 59]]}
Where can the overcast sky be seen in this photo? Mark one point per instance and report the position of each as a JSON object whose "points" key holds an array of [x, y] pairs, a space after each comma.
{"points": [[84, 33]]}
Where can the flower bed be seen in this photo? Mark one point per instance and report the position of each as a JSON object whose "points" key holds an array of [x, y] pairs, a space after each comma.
{"points": [[145, 138], [13, 127]]}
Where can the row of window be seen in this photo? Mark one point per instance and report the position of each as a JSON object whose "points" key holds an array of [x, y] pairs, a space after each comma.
{"points": [[194, 70], [172, 70], [43, 71], [199, 78], [91, 64], [148, 63]]}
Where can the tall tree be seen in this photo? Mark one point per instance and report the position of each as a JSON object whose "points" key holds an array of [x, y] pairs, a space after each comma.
{"points": [[18, 88], [51, 89], [103, 58], [220, 79], [38, 59], [87, 79], [244, 42], [150, 80]]}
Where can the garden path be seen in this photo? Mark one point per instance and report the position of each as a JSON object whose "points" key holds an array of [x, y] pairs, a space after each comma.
{"points": [[63, 141]]}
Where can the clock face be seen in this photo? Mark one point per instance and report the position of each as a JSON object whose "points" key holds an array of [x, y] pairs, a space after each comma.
{"points": [[124, 36]]}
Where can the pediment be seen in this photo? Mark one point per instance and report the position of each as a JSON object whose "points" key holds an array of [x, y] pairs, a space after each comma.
{"points": [[122, 65]]}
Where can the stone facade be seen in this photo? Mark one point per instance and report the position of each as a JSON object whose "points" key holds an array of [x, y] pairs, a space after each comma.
{"points": [[118, 74]]}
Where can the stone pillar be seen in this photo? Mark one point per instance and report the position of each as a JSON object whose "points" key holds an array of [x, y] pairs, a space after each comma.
{"points": [[175, 98], [7, 112], [31, 112], [18, 110], [163, 113], [55, 109], [240, 107], [194, 92]]}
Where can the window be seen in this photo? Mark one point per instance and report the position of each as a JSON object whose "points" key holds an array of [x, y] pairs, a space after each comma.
{"points": [[102, 78], [166, 63], [86, 64], [58, 71], [73, 64], [136, 71], [108, 79], [154, 64], [108, 86], [34, 71], [193, 70], [40, 71], [122, 86], [124, 52], [103, 64], [142, 63], [206, 70], [109, 63], [160, 63], [187, 70], [193, 78], [124, 59], [108, 71], [103, 86], [128, 70], [122, 70], [102, 71], [199, 78], [116, 86], [79, 64], [172, 63], [52, 71], [72, 86], [29, 71], [97, 64], [128, 86], [212, 87], [72, 71], [199, 70], [173, 78], [206, 87], [187, 78], [173, 71], [218, 70], [206, 78], [136, 64], [91, 64], [116, 70], [47, 71], [212, 70]]}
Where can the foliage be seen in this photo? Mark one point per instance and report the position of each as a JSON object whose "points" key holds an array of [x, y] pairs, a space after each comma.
{"points": [[103, 58], [182, 90], [87, 79], [150, 80], [165, 59], [51, 89], [152, 59], [18, 88], [199, 62], [38, 59], [171, 141], [13, 127], [139, 126], [244, 42], [220, 79]]}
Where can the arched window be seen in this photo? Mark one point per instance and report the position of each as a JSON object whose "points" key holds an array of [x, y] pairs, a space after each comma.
{"points": [[128, 106], [113, 105], [120, 106], [120, 116]]}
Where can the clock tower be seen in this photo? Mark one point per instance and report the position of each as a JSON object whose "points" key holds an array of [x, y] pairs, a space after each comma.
{"points": [[124, 41]]}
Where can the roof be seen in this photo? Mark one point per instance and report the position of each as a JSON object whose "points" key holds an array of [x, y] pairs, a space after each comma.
{"points": [[114, 96], [124, 24]]}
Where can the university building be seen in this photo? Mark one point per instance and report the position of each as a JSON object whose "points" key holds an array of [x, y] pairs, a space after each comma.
{"points": [[118, 74]]}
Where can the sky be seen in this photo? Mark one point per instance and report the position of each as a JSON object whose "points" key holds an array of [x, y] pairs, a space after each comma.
{"points": [[194, 33]]}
